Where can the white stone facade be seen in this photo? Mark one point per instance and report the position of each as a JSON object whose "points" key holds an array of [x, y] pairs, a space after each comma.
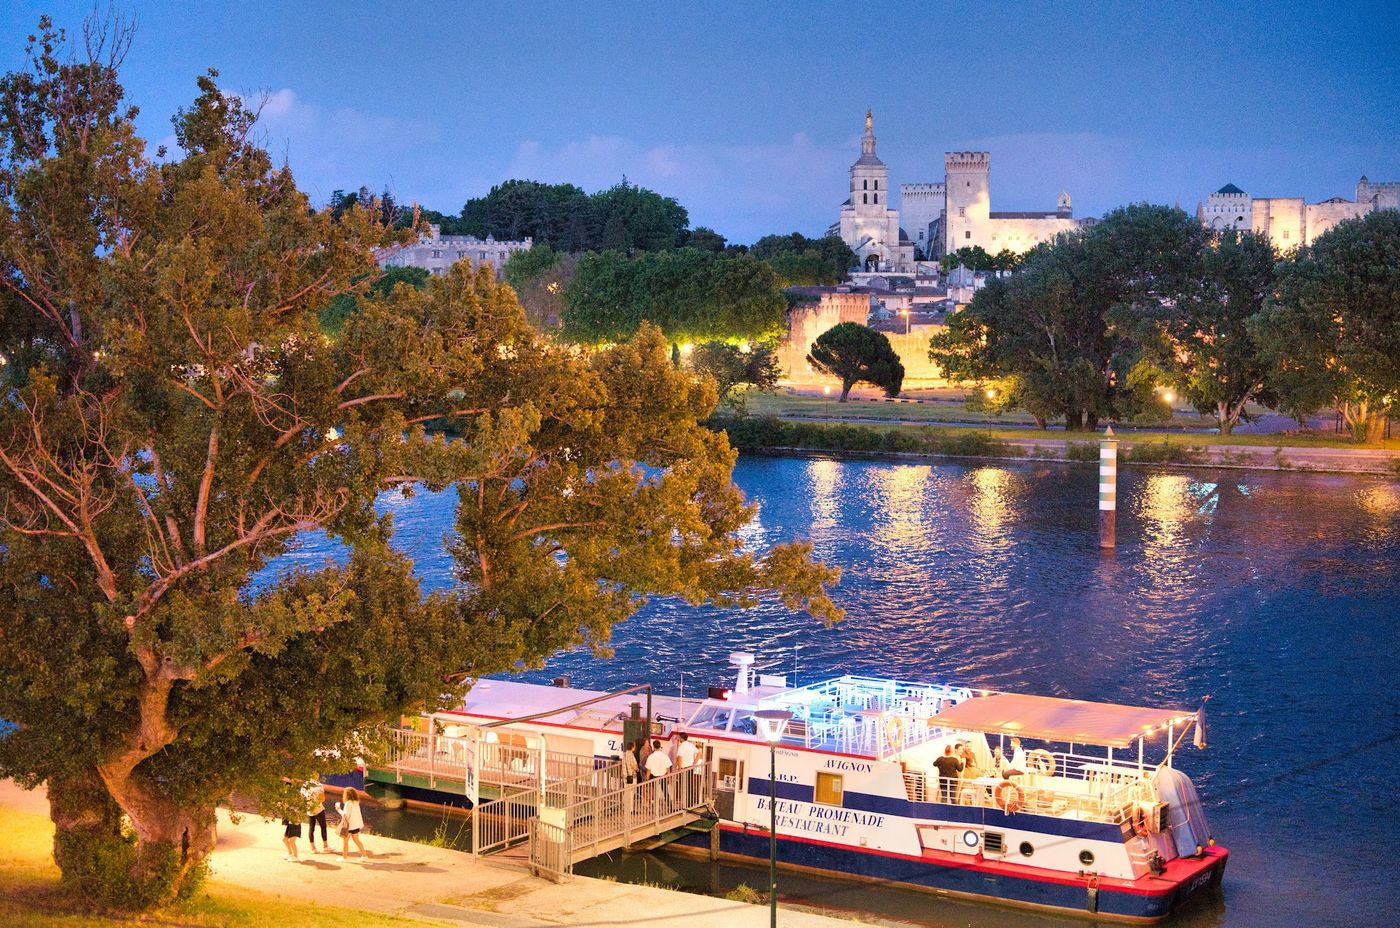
{"points": [[868, 224], [1291, 221], [437, 252], [937, 217]]}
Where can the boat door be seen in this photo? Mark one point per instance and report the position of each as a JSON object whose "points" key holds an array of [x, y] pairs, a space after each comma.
{"points": [[728, 769]]}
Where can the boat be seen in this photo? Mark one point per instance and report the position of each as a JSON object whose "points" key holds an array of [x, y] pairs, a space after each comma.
{"points": [[1100, 821]]}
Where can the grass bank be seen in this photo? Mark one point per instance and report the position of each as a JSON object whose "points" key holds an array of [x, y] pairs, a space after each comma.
{"points": [[30, 895], [1271, 452]]}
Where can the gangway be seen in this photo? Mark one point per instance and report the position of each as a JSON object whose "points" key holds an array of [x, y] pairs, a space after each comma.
{"points": [[562, 836]]}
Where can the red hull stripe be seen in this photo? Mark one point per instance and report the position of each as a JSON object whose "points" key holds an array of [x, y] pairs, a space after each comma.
{"points": [[1178, 871]]}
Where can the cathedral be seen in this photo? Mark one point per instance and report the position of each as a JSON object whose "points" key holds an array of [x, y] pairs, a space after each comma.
{"points": [[937, 217]]}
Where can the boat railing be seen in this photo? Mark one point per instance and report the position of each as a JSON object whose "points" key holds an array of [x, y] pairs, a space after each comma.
{"points": [[1083, 788], [860, 715]]}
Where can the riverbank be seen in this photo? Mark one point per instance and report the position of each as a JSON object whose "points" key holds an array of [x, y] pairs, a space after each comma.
{"points": [[402, 884], [909, 441]]}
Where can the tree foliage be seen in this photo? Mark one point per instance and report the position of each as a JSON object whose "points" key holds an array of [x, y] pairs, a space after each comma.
{"points": [[691, 295], [977, 258], [174, 419], [800, 261], [1333, 334], [567, 219], [1068, 324], [732, 366], [381, 282], [856, 354]]}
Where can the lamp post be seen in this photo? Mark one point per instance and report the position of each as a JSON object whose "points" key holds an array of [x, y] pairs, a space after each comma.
{"points": [[826, 407], [905, 314], [771, 725]]}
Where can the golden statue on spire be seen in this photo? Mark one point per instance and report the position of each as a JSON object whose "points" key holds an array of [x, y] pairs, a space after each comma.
{"points": [[869, 123]]}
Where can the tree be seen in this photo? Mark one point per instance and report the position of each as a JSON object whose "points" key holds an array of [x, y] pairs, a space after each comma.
{"points": [[1068, 323], [1333, 333], [691, 295], [731, 366], [173, 419], [637, 219], [855, 354], [705, 239], [974, 258], [344, 305], [1205, 343], [802, 261]]}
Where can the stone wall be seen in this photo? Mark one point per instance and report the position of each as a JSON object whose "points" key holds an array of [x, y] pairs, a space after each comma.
{"points": [[807, 322]]}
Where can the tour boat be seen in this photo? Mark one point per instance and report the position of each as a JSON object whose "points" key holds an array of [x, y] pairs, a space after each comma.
{"points": [[1081, 830]]}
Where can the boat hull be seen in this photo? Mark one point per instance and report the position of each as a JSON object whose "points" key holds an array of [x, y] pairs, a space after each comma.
{"points": [[974, 877]]}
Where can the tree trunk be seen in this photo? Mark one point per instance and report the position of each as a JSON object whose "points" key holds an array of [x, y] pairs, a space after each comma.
{"points": [[86, 830], [172, 841], [846, 389], [1375, 428], [1041, 424]]}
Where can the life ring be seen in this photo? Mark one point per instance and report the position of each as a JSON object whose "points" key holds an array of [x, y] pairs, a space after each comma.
{"points": [[1008, 796], [1042, 762], [1139, 821], [894, 733]]}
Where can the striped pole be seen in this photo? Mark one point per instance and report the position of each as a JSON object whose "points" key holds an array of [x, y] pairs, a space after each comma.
{"points": [[1108, 490]]}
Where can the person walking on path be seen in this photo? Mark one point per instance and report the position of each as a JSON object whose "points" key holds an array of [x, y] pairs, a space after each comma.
{"points": [[315, 795], [351, 821], [291, 834]]}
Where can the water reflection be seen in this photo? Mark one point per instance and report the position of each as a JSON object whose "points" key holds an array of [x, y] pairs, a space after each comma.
{"points": [[1276, 594]]}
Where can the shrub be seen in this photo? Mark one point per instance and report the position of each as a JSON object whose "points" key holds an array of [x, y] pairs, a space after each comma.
{"points": [[1084, 451], [753, 434], [745, 893], [1164, 452]]}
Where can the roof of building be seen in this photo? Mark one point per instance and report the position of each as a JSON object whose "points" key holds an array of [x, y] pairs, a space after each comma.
{"points": [[1051, 719], [868, 159], [1026, 214], [1229, 188]]}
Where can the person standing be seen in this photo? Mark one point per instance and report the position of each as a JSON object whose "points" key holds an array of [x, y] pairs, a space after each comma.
{"points": [[686, 755], [291, 834], [658, 765], [351, 822], [949, 767], [1017, 766], [629, 763], [315, 795]]}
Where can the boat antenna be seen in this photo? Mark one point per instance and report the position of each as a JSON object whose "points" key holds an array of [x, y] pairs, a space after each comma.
{"points": [[795, 647]]}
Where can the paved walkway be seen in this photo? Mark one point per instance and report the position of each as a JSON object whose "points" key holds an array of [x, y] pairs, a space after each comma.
{"points": [[404, 878]]}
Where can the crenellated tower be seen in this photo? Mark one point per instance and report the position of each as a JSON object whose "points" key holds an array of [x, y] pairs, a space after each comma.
{"points": [[969, 198]]}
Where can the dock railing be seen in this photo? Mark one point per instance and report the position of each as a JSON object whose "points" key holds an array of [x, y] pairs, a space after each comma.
{"points": [[617, 818]]}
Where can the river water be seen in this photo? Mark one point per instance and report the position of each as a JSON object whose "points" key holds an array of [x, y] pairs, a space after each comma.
{"points": [[1278, 595]]}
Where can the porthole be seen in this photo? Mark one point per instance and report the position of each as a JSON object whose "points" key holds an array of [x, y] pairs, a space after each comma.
{"points": [[1086, 858], [1026, 849], [970, 838]]}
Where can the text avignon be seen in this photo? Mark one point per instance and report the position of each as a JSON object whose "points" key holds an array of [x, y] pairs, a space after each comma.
{"points": [[820, 820]]}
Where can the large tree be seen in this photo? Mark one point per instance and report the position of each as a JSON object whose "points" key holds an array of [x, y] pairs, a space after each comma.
{"points": [[1201, 337], [692, 295], [854, 354], [1067, 324], [173, 419], [799, 260], [732, 366], [1333, 334]]}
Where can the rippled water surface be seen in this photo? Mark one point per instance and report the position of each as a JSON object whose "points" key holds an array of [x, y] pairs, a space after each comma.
{"points": [[1277, 595]]}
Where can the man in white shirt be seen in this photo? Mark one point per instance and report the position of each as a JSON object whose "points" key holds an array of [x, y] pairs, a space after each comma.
{"points": [[686, 755], [658, 765]]}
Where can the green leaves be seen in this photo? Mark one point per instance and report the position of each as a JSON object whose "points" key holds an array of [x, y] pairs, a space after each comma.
{"points": [[855, 354]]}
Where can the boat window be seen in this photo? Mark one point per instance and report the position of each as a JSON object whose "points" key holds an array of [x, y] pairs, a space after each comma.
{"points": [[829, 791], [1086, 858], [1026, 849], [714, 718], [728, 773]]}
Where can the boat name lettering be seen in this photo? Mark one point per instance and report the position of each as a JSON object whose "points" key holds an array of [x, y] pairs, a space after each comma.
{"points": [[850, 765], [824, 820]]}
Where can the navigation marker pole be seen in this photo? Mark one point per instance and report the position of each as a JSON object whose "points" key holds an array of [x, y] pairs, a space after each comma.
{"points": [[1108, 490]]}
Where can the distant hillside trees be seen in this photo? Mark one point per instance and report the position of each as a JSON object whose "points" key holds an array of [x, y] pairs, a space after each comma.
{"points": [[691, 295], [802, 261], [566, 218], [1097, 325]]}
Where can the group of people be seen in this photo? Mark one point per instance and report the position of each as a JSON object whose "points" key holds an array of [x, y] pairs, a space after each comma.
{"points": [[351, 823], [959, 762], [646, 760]]}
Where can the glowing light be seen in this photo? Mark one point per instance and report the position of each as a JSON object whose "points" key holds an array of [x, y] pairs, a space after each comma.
{"points": [[1168, 397], [826, 391], [686, 349], [991, 393]]}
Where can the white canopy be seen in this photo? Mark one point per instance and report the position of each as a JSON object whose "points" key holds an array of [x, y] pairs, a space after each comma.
{"points": [[1051, 719]]}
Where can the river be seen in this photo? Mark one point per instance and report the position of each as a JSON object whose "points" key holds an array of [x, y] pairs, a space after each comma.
{"points": [[1278, 595]]}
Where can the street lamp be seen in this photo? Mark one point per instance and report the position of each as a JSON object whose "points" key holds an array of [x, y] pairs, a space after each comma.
{"points": [[771, 725], [905, 314], [826, 408]]}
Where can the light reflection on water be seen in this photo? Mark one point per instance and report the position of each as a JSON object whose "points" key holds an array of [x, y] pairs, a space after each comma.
{"points": [[1276, 594]]}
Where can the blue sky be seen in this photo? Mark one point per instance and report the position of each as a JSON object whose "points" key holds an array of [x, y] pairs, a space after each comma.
{"points": [[749, 113]]}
